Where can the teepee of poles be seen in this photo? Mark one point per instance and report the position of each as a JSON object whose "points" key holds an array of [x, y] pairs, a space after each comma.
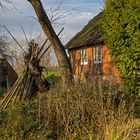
{"points": [[31, 81]]}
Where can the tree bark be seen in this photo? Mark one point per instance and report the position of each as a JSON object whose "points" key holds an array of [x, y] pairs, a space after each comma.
{"points": [[63, 61]]}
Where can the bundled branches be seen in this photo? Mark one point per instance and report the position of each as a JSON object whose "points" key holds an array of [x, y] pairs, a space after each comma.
{"points": [[31, 80]]}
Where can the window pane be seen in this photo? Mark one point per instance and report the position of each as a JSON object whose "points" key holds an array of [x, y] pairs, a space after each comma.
{"points": [[83, 56], [97, 54]]}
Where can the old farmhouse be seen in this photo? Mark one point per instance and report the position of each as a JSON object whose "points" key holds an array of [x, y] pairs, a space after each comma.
{"points": [[7, 75], [89, 55]]}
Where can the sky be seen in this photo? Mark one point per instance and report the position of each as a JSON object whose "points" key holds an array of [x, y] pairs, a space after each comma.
{"points": [[77, 13]]}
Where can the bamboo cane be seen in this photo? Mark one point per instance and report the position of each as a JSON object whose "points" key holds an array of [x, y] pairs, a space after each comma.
{"points": [[30, 88], [41, 48], [8, 93], [27, 84], [11, 95], [19, 91], [14, 39], [49, 45]]}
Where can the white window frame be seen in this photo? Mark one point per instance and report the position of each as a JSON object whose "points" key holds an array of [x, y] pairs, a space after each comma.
{"points": [[97, 54], [83, 57]]}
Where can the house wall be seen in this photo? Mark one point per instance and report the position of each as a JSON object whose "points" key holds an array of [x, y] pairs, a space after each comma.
{"points": [[106, 69], [110, 71], [11, 75]]}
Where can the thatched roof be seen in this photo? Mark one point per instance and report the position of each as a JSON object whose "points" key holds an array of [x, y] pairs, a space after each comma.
{"points": [[91, 34]]}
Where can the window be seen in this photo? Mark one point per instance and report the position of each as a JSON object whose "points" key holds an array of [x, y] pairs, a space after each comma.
{"points": [[84, 59], [97, 54]]}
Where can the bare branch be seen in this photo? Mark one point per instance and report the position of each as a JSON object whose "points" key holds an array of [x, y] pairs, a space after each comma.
{"points": [[32, 17], [4, 2], [3, 46], [50, 44], [45, 51], [58, 14], [25, 35], [14, 39]]}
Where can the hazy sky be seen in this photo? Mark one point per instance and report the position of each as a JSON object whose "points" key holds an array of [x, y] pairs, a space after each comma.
{"points": [[80, 12]]}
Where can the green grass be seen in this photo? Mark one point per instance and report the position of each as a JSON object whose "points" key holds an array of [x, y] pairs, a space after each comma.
{"points": [[52, 77], [49, 73]]}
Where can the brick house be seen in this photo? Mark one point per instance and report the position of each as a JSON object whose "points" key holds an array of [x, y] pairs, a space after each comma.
{"points": [[7, 75], [89, 55]]}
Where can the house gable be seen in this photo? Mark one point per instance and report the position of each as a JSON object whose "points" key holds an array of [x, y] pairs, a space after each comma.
{"points": [[7, 75]]}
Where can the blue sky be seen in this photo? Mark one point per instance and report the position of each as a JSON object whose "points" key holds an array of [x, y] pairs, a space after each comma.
{"points": [[81, 11], [78, 12]]}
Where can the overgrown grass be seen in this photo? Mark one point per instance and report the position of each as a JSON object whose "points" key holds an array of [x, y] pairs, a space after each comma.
{"points": [[82, 112]]}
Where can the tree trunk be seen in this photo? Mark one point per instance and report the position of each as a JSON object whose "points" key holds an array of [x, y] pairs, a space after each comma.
{"points": [[63, 61]]}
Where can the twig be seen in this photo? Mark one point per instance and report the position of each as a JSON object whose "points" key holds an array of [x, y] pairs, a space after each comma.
{"points": [[25, 35]]}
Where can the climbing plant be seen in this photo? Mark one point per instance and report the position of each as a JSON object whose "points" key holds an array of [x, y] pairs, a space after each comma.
{"points": [[122, 36]]}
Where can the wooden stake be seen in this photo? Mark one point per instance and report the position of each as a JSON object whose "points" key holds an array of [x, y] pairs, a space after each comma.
{"points": [[49, 45], [14, 39]]}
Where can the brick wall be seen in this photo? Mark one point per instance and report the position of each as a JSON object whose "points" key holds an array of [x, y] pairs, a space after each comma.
{"points": [[106, 69]]}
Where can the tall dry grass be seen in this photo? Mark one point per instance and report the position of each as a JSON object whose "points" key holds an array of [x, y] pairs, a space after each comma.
{"points": [[82, 112]]}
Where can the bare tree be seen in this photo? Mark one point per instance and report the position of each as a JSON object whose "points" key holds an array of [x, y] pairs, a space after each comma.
{"points": [[55, 13], [5, 2], [3, 46], [63, 61], [6, 51]]}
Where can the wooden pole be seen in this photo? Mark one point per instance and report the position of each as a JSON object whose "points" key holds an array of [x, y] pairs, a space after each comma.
{"points": [[14, 39]]}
